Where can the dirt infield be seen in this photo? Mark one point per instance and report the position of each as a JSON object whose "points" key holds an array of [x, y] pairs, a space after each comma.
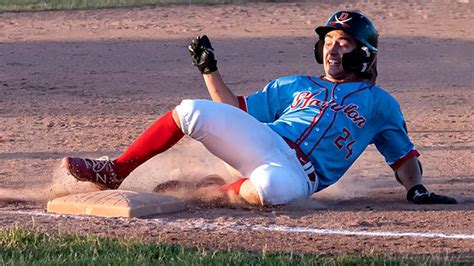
{"points": [[88, 82]]}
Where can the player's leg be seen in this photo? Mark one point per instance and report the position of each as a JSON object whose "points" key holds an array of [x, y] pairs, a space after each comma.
{"points": [[105, 173], [232, 135], [251, 147]]}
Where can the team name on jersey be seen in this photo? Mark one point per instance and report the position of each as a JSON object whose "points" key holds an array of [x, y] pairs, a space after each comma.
{"points": [[306, 98]]}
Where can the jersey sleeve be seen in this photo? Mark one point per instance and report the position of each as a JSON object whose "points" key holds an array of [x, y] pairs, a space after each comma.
{"points": [[392, 139], [268, 104]]}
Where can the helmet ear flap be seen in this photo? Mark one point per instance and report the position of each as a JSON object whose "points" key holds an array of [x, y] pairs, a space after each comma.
{"points": [[318, 51], [356, 61], [360, 60]]}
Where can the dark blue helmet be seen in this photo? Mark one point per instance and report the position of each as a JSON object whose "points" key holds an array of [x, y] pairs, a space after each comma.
{"points": [[363, 59], [355, 24]]}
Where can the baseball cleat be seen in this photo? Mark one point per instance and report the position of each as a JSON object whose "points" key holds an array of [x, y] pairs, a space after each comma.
{"points": [[100, 171]]}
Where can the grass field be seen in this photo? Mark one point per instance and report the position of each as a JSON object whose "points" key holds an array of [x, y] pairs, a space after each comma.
{"points": [[41, 5], [20, 247]]}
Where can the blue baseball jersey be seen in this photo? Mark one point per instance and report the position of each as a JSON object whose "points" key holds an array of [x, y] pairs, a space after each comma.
{"points": [[332, 123]]}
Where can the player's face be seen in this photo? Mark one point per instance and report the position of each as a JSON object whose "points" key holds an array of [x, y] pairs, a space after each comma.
{"points": [[337, 43]]}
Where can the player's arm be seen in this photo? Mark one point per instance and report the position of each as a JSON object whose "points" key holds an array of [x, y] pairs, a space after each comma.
{"points": [[393, 143], [409, 175], [218, 90], [203, 57]]}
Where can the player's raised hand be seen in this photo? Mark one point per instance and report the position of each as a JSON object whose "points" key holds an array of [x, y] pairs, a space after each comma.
{"points": [[420, 195], [202, 54]]}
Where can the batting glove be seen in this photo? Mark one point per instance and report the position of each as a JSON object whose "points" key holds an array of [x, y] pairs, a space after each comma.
{"points": [[202, 54], [420, 195]]}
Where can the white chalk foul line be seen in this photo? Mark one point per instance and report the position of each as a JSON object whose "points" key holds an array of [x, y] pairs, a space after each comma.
{"points": [[360, 233], [268, 228]]}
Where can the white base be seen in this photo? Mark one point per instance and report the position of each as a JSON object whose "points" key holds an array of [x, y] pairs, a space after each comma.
{"points": [[116, 203]]}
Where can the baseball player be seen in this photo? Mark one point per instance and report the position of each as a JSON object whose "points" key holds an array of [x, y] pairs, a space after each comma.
{"points": [[295, 137]]}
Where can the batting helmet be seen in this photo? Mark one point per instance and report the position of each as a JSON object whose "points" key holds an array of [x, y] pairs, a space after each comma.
{"points": [[361, 60]]}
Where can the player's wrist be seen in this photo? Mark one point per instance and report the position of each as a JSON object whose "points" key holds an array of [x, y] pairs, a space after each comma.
{"points": [[415, 193], [209, 69], [210, 74]]}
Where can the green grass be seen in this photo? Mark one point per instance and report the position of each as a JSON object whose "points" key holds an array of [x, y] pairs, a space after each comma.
{"points": [[40, 5], [20, 247]]}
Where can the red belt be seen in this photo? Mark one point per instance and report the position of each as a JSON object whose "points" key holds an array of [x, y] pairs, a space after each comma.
{"points": [[304, 160]]}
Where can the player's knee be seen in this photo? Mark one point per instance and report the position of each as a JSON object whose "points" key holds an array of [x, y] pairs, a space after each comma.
{"points": [[176, 119], [189, 113], [275, 186], [272, 192]]}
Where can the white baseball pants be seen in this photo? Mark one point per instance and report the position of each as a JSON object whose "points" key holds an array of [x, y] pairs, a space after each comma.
{"points": [[249, 146]]}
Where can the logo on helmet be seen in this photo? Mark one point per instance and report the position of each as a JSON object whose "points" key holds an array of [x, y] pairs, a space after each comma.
{"points": [[342, 19]]}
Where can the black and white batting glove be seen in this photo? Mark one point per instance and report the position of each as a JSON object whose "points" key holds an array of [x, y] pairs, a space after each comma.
{"points": [[420, 195], [202, 54]]}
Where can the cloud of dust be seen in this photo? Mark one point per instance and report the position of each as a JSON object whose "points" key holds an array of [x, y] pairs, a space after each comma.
{"points": [[352, 185], [63, 184], [188, 162], [60, 184]]}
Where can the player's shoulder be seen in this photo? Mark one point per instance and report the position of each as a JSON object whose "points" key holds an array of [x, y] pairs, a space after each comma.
{"points": [[291, 79], [382, 92], [383, 97]]}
